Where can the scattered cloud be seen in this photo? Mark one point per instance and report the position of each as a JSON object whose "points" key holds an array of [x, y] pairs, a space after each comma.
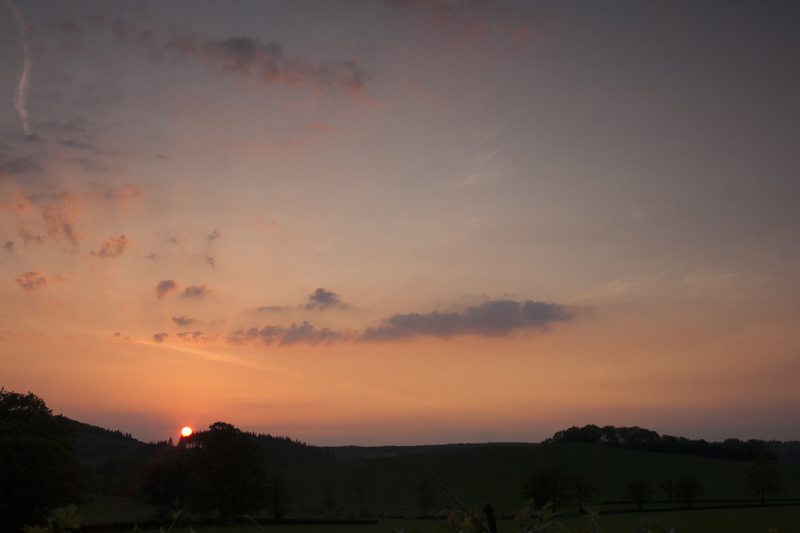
{"points": [[211, 261], [184, 321], [122, 194], [112, 247], [61, 222], [166, 287], [271, 309], [197, 292], [32, 280], [30, 237], [198, 337], [9, 246], [160, 337], [322, 299], [282, 336], [490, 319], [213, 236], [267, 62]]}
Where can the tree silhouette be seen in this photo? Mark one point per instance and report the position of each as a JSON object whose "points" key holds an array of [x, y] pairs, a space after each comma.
{"points": [[546, 485], [688, 489], [359, 481], [38, 470], [639, 490], [763, 478], [227, 472], [584, 487], [280, 493], [425, 496], [668, 486]]}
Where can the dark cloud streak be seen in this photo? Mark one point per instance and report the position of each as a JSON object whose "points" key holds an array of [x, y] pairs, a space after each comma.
{"points": [[496, 318], [490, 319], [282, 336], [184, 321]]}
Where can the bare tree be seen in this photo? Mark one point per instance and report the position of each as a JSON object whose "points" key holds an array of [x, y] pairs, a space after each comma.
{"points": [[425, 496], [359, 481], [639, 490], [764, 478]]}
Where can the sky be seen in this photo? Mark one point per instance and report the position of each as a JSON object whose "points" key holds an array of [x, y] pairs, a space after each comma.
{"points": [[403, 221]]}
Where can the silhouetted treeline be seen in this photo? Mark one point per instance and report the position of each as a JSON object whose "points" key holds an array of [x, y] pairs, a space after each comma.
{"points": [[636, 438], [120, 465], [788, 452], [285, 453]]}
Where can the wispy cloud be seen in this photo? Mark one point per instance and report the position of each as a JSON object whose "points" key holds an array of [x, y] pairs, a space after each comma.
{"points": [[461, 22], [21, 96], [121, 194], [213, 236], [61, 222], [112, 247], [319, 126], [160, 337], [266, 62]]}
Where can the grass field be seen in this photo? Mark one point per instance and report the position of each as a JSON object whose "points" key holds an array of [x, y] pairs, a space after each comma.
{"points": [[754, 520], [495, 474]]}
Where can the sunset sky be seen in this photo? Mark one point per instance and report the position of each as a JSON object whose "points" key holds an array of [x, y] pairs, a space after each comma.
{"points": [[403, 221]]}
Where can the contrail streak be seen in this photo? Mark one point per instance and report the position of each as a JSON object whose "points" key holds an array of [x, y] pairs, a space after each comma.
{"points": [[22, 89]]}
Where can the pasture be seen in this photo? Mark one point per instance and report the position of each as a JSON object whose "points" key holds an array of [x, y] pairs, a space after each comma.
{"points": [[495, 474], [750, 520]]}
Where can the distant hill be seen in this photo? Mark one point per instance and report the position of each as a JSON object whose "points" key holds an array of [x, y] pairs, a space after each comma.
{"points": [[95, 445], [286, 453], [354, 453]]}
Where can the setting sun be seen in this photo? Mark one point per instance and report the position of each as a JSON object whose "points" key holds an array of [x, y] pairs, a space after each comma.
{"points": [[186, 432]]}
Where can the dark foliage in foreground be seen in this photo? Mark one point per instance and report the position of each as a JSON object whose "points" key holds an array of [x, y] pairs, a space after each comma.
{"points": [[38, 471]]}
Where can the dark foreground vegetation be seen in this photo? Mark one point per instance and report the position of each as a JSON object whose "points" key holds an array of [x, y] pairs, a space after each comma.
{"points": [[226, 476]]}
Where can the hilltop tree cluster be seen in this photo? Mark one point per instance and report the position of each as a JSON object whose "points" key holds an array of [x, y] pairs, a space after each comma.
{"points": [[222, 471], [636, 438]]}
